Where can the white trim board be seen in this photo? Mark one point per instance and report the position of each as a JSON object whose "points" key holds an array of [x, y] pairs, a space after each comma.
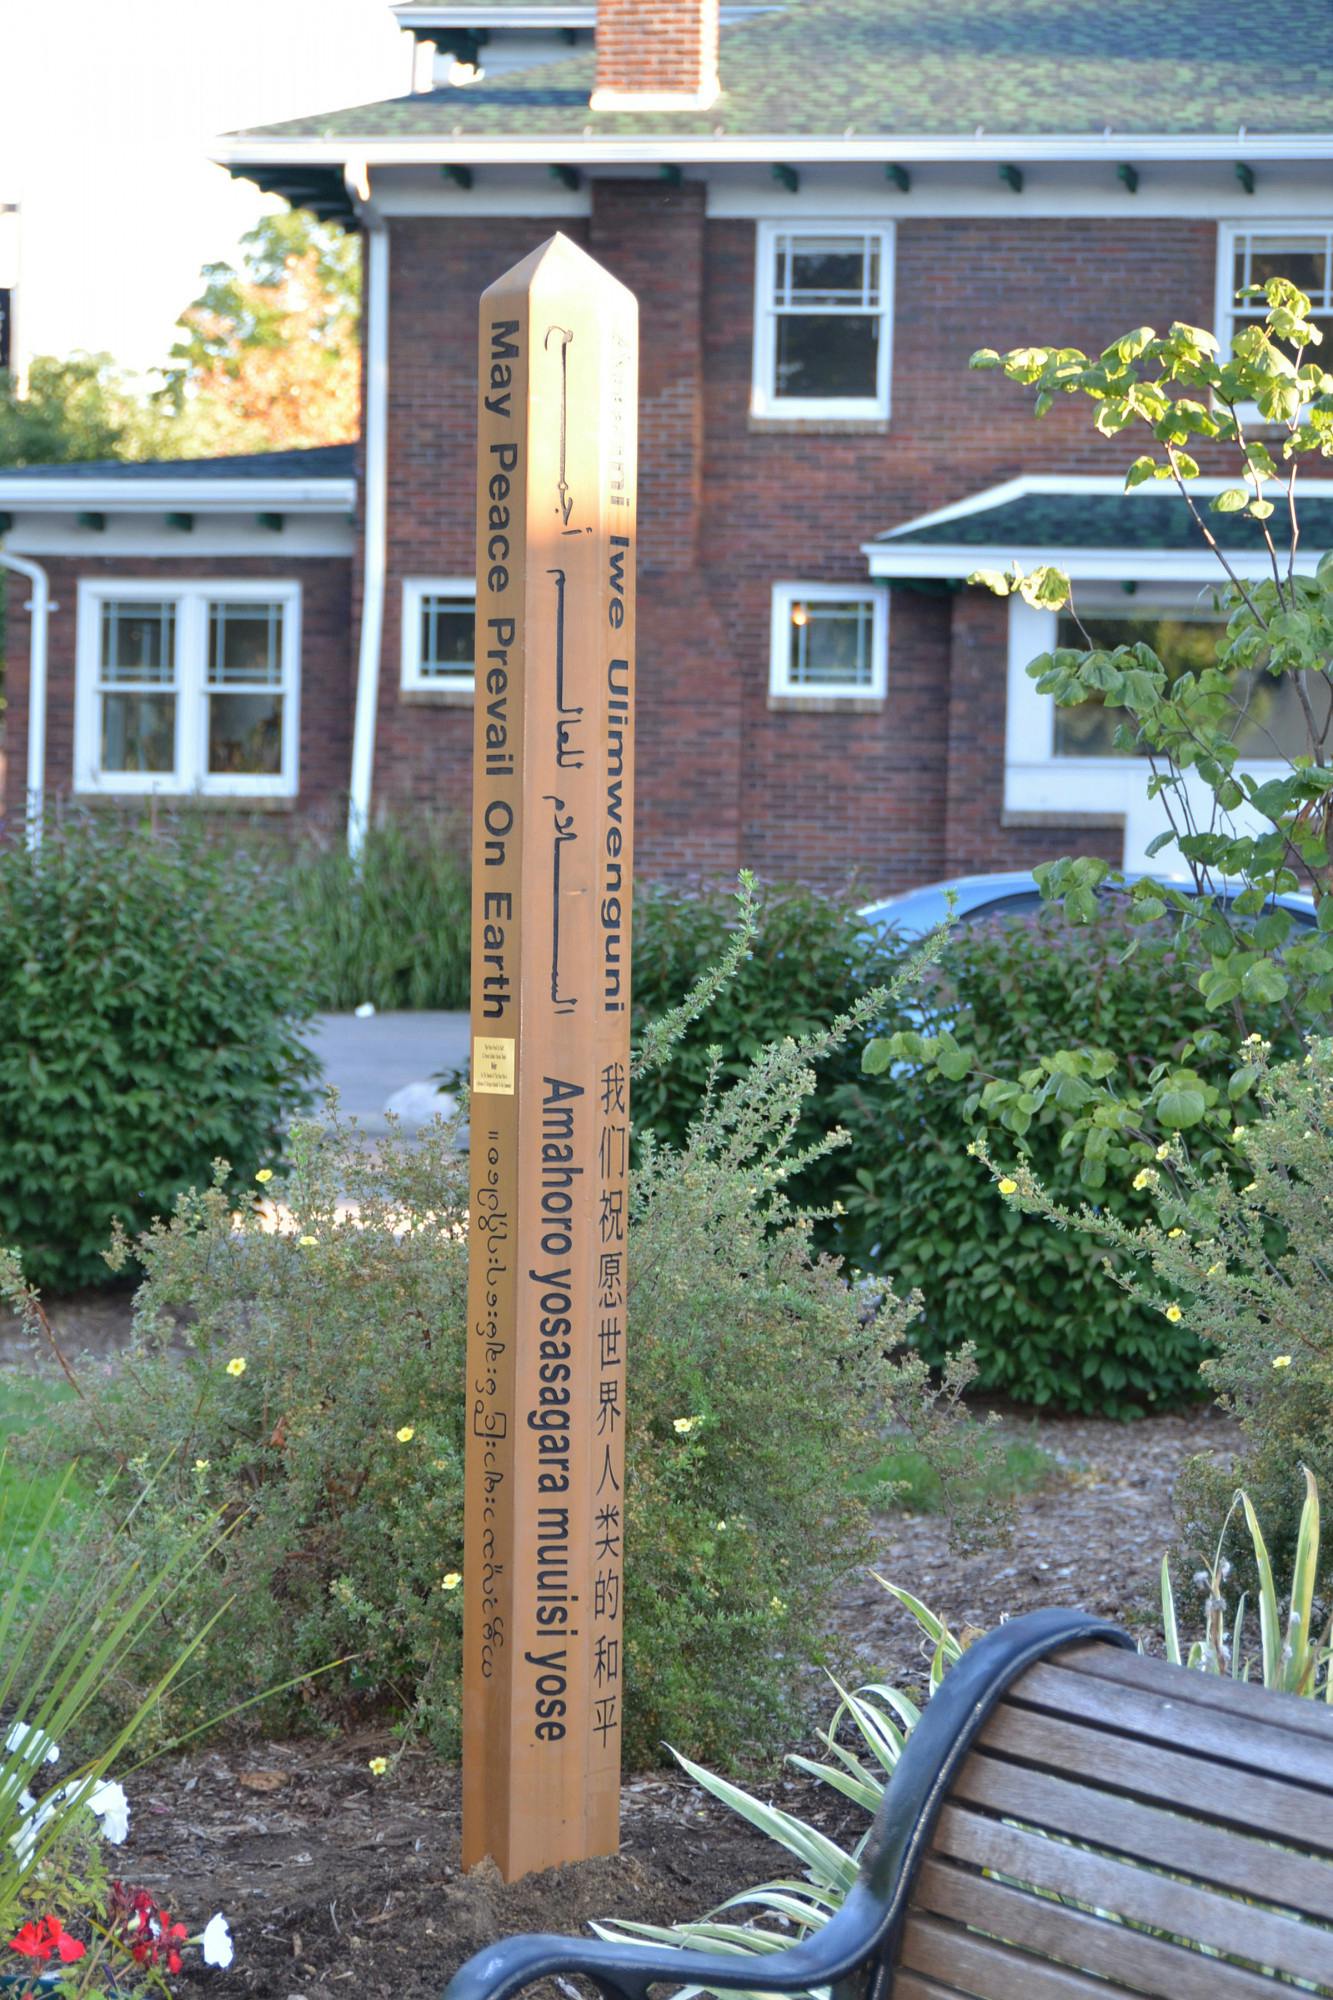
{"points": [[958, 559], [122, 495], [141, 535], [239, 149]]}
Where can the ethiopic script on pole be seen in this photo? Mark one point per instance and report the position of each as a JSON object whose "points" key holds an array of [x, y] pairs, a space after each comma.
{"points": [[552, 868]]}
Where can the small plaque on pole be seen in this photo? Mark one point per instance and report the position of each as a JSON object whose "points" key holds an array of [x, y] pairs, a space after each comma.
{"points": [[551, 875]]}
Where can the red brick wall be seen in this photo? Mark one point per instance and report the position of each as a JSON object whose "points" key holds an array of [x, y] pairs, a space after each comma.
{"points": [[727, 508], [326, 667], [657, 45]]}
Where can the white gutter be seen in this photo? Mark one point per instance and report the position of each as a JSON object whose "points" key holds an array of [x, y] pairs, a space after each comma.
{"points": [[953, 560], [39, 604], [375, 432], [587, 149], [125, 494]]}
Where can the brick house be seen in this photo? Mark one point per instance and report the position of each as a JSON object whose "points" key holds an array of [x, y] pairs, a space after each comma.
{"points": [[823, 210]]}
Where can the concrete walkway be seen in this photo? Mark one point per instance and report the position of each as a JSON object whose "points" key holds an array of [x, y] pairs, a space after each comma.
{"points": [[387, 1061]]}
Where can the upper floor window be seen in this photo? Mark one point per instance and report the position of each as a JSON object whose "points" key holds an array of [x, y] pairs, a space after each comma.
{"points": [[828, 639], [1291, 250], [823, 302], [439, 633], [187, 687]]}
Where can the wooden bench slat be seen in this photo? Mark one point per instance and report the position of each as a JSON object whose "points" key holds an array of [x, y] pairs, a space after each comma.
{"points": [[1173, 1840], [1221, 1794], [1233, 1737], [908, 1986], [1301, 1950], [986, 1970], [1143, 1965], [1267, 1705]]}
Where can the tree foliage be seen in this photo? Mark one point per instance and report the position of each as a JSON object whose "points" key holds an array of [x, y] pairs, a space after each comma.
{"points": [[269, 355], [1245, 839], [76, 408]]}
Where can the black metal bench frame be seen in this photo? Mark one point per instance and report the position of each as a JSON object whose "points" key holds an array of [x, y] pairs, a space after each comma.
{"points": [[856, 1950]]}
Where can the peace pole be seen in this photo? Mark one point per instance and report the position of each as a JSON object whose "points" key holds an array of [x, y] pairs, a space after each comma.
{"points": [[551, 875]]}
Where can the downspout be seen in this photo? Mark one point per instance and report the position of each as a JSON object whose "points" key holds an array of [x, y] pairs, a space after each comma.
{"points": [[39, 604], [376, 322]]}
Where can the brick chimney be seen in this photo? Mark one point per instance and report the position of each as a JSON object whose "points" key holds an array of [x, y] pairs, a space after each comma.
{"points": [[656, 55]]}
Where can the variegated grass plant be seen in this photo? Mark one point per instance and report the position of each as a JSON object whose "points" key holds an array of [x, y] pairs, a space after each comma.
{"points": [[869, 1729]]}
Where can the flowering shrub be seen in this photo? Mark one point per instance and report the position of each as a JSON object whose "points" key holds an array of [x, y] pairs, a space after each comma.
{"points": [[319, 1397]]}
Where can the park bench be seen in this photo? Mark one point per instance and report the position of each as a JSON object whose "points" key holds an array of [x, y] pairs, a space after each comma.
{"points": [[1069, 1821]]}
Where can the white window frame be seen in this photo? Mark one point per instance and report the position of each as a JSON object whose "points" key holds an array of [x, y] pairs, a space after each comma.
{"points": [[764, 398], [191, 597], [1226, 318], [782, 688], [415, 588]]}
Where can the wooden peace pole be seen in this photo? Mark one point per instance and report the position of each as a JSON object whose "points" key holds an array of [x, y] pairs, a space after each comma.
{"points": [[551, 874]]}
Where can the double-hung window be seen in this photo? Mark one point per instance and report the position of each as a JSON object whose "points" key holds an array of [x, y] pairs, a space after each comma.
{"points": [[1300, 251], [187, 687], [829, 642], [823, 321], [439, 635]]}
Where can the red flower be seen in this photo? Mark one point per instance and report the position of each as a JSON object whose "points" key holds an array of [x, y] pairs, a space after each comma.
{"points": [[47, 1937]]}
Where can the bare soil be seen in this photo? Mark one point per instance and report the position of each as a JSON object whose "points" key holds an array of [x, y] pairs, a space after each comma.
{"points": [[335, 1879]]}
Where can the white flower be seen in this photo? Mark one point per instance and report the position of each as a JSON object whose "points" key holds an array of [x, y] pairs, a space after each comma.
{"points": [[34, 1743], [363, 1013], [112, 1807], [218, 1947]]}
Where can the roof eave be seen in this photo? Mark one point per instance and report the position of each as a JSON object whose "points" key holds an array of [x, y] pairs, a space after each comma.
{"points": [[237, 151], [197, 496], [952, 561]]}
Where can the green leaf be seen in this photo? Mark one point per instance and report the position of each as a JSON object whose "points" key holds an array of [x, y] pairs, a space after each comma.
{"points": [[1179, 1108], [1229, 502], [1141, 469]]}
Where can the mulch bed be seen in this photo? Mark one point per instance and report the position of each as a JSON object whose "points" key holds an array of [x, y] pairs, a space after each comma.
{"points": [[335, 1881]]}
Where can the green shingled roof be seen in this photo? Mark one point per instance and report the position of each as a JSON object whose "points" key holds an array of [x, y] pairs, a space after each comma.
{"points": [[927, 68], [1133, 522]]}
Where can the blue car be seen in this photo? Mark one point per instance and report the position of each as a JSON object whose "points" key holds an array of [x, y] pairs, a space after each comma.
{"points": [[918, 911]]}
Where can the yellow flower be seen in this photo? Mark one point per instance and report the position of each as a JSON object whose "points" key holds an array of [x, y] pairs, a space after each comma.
{"points": [[1282, 1361], [1255, 1042], [452, 1581], [684, 1425], [1250, 1188], [1237, 1132], [1173, 1313], [307, 1242], [264, 1176], [236, 1366], [1175, 1232], [379, 1765], [1164, 1150], [201, 1465], [1213, 1271], [722, 1527], [776, 1604], [1144, 1178], [1008, 1187], [406, 1434]]}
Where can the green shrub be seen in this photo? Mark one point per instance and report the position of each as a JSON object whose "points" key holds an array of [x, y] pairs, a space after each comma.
{"points": [[1046, 1327], [1244, 1269], [391, 928], [151, 990], [351, 1328]]}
